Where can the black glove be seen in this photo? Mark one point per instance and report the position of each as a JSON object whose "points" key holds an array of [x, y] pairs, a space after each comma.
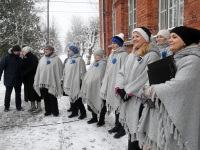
{"points": [[122, 94]]}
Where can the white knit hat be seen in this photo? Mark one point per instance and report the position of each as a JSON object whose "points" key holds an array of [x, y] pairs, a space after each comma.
{"points": [[146, 34], [27, 49], [164, 33], [121, 35]]}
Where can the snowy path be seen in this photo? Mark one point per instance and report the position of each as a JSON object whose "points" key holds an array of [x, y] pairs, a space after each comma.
{"points": [[25, 131]]}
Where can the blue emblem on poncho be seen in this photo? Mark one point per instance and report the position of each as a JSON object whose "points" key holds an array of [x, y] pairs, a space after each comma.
{"points": [[48, 62], [96, 64], [73, 61], [163, 54], [139, 59], [114, 60]]}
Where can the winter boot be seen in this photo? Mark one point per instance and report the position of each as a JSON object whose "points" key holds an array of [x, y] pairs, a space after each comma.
{"points": [[117, 125], [94, 118], [120, 133], [33, 107], [135, 145], [74, 110], [39, 109], [6, 109], [70, 109], [102, 117], [81, 108]]}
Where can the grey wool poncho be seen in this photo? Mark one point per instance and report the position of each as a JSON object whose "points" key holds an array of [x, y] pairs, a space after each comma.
{"points": [[73, 75], [91, 85], [175, 123], [132, 77], [107, 92], [48, 75]]}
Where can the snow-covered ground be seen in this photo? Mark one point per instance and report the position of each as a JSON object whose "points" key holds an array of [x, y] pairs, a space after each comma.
{"points": [[26, 131]]}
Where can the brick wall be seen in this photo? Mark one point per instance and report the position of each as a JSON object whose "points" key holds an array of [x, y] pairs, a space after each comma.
{"points": [[146, 15], [192, 13]]}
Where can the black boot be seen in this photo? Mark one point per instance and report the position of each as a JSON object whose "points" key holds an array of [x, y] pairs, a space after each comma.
{"points": [[117, 124], [120, 133], [70, 109], [115, 129], [81, 108], [94, 118], [133, 145], [102, 117], [74, 110]]}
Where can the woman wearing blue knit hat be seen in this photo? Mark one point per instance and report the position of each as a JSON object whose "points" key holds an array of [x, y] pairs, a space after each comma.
{"points": [[107, 92], [73, 74]]}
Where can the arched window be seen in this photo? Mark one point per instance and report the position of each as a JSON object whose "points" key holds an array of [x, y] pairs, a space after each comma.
{"points": [[170, 13]]}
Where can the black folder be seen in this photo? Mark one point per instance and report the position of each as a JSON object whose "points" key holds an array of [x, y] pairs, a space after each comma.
{"points": [[162, 70]]}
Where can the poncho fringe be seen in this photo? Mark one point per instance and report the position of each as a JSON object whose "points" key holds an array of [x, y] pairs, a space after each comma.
{"points": [[52, 90], [145, 140]]}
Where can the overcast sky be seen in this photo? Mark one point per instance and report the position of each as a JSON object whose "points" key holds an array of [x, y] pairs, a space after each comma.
{"points": [[63, 10]]}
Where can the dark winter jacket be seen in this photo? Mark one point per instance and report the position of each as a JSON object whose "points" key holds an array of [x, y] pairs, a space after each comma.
{"points": [[29, 67], [11, 65]]}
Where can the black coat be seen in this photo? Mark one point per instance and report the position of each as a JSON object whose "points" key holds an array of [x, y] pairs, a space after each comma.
{"points": [[11, 65], [29, 67]]}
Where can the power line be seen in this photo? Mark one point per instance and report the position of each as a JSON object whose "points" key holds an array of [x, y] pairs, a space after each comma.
{"points": [[73, 12], [74, 2]]}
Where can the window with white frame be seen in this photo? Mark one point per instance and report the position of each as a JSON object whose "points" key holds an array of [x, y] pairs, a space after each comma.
{"points": [[170, 13], [113, 18], [131, 17]]}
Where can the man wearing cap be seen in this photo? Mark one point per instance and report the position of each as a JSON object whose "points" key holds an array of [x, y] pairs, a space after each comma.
{"points": [[11, 65], [73, 74], [47, 81]]}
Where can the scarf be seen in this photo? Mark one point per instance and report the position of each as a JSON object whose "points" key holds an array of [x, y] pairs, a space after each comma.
{"points": [[107, 91], [48, 75], [73, 74], [132, 77], [91, 85], [175, 124]]}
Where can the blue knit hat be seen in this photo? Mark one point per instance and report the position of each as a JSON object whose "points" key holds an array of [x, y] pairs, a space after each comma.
{"points": [[119, 39], [74, 49]]}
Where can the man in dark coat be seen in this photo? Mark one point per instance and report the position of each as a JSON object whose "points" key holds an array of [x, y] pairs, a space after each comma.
{"points": [[11, 65], [29, 67]]}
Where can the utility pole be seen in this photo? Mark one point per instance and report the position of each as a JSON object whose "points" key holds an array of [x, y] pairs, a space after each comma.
{"points": [[48, 21]]}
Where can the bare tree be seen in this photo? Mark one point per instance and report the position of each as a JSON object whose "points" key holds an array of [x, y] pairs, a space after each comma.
{"points": [[85, 36]]}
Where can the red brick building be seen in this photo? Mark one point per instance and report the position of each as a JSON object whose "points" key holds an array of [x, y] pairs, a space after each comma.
{"points": [[118, 16]]}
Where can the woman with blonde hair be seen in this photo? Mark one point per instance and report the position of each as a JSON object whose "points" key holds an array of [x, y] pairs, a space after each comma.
{"points": [[162, 42], [130, 80]]}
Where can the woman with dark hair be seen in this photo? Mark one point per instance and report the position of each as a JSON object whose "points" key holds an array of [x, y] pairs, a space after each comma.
{"points": [[174, 123]]}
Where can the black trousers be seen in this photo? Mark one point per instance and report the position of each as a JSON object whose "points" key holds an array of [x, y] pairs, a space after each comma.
{"points": [[50, 102], [17, 96]]}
